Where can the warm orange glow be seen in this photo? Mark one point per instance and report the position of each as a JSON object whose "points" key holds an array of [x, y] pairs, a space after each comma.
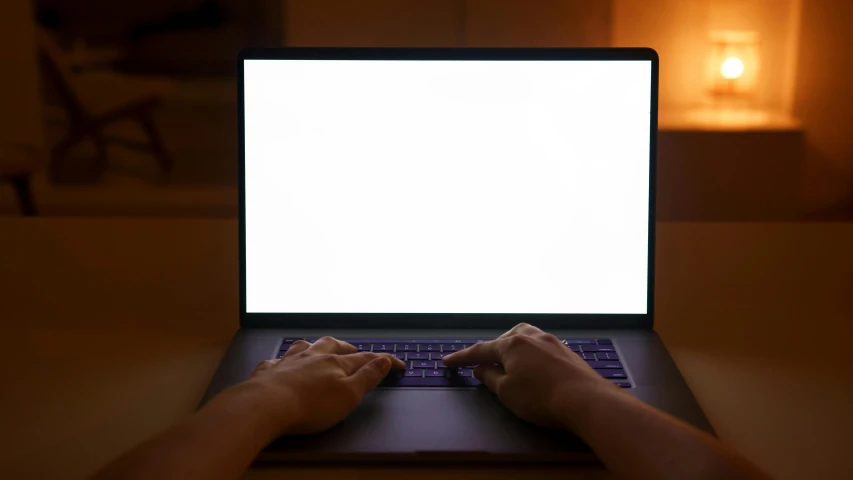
{"points": [[732, 68], [734, 64]]}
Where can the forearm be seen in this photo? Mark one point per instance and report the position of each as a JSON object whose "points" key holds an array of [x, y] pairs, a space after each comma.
{"points": [[635, 440], [218, 442]]}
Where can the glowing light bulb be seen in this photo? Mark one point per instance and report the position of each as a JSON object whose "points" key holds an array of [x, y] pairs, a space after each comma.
{"points": [[732, 68]]}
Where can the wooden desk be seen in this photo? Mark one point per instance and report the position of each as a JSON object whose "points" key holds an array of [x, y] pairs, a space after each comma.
{"points": [[112, 329]]}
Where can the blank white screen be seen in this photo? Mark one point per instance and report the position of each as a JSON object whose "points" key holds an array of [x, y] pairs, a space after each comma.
{"points": [[447, 186]]}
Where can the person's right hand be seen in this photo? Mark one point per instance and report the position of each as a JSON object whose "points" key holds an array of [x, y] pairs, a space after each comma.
{"points": [[534, 374]]}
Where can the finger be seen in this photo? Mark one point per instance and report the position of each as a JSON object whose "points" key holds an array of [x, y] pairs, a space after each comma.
{"points": [[370, 374], [521, 328], [485, 352], [354, 361], [491, 375], [264, 365], [332, 345], [297, 347]]}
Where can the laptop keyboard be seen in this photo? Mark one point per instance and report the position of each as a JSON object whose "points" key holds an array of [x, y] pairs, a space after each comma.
{"points": [[425, 369]]}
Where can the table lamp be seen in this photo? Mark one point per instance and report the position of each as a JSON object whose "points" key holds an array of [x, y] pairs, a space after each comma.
{"points": [[734, 63]]}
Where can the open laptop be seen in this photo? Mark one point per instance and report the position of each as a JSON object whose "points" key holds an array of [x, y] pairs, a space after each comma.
{"points": [[416, 201]]}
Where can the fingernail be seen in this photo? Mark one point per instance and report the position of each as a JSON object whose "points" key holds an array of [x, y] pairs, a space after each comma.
{"points": [[385, 364]]}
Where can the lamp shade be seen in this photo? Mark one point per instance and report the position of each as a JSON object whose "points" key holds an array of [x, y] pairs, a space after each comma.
{"points": [[733, 63]]}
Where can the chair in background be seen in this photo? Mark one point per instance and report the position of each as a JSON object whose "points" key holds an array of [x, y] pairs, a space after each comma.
{"points": [[18, 162], [94, 98]]}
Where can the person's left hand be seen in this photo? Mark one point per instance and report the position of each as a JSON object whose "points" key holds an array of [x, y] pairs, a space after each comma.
{"points": [[315, 386]]}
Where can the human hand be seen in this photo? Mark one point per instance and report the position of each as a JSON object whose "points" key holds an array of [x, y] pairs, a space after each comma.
{"points": [[534, 375], [315, 386]]}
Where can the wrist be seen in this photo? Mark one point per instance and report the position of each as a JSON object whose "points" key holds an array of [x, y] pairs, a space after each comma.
{"points": [[269, 409], [573, 402]]}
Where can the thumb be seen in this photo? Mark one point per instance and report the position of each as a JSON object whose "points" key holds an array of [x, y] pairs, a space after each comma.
{"points": [[370, 374]]}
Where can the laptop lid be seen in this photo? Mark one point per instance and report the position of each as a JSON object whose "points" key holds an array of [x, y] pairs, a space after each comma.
{"points": [[447, 188]]}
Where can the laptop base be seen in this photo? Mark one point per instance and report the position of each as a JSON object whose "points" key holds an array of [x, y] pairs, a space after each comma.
{"points": [[455, 423]]}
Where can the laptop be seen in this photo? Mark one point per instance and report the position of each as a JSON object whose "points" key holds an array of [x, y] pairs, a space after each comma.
{"points": [[417, 201]]}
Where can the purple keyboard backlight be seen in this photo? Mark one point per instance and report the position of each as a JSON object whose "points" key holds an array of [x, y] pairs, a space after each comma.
{"points": [[424, 365]]}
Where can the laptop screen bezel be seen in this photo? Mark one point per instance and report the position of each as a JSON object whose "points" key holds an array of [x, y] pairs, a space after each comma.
{"points": [[449, 320]]}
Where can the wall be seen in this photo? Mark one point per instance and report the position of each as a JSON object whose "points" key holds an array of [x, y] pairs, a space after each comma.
{"points": [[20, 115], [824, 102], [374, 23], [448, 23], [513, 23]]}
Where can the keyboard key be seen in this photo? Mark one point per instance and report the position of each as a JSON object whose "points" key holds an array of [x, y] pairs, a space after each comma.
{"points": [[429, 347], [440, 364], [451, 347], [423, 382], [417, 356], [598, 348], [607, 356], [587, 356], [393, 377], [406, 347], [441, 379], [608, 373], [604, 341], [413, 373], [290, 340], [438, 355], [400, 355], [604, 364], [574, 348], [383, 347], [422, 364], [579, 342], [284, 347], [623, 384], [279, 354], [362, 347], [463, 372]]}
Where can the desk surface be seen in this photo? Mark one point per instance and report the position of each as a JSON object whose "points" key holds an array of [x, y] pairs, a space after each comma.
{"points": [[112, 329]]}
